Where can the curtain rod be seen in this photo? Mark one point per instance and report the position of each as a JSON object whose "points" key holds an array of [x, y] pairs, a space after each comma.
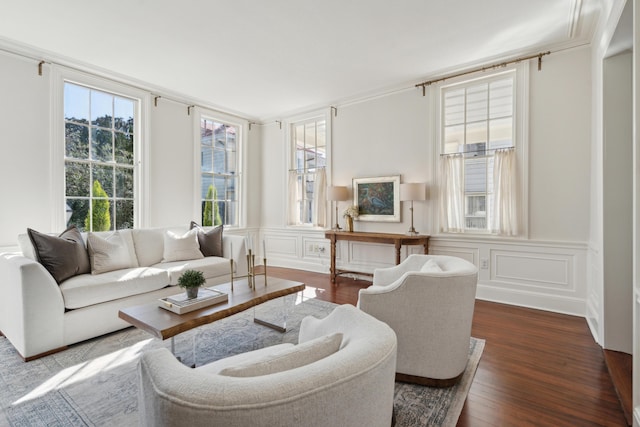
{"points": [[478, 152], [424, 85], [306, 169]]}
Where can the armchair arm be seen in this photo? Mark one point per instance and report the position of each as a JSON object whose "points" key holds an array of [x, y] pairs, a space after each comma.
{"points": [[385, 276], [32, 317]]}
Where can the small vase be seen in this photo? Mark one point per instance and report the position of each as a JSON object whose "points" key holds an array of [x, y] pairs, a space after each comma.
{"points": [[192, 293], [349, 224]]}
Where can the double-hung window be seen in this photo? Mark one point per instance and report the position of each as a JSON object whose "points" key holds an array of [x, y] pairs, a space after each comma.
{"points": [[307, 177], [479, 172], [218, 172], [100, 140]]}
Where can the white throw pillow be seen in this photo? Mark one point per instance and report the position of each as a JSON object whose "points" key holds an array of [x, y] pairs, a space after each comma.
{"points": [[289, 358], [431, 266], [112, 253], [181, 248]]}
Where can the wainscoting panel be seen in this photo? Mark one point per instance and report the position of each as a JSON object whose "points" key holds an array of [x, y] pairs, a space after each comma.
{"points": [[533, 269], [544, 275], [470, 254]]}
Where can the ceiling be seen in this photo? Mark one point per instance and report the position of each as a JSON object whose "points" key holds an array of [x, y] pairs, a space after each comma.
{"points": [[267, 59]]}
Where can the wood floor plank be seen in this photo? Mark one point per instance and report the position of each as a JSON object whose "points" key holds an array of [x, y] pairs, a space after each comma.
{"points": [[538, 368]]}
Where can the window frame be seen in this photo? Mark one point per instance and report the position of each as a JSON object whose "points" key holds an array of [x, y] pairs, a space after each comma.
{"points": [[291, 123], [59, 76], [520, 135], [241, 126]]}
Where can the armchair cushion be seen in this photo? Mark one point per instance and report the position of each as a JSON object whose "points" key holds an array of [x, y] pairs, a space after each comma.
{"points": [[431, 266], [288, 358]]}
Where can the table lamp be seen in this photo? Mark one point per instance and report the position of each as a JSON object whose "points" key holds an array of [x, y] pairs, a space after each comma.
{"points": [[411, 191], [337, 193]]}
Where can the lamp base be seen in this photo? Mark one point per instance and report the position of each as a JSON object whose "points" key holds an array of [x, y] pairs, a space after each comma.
{"points": [[412, 232], [336, 228]]}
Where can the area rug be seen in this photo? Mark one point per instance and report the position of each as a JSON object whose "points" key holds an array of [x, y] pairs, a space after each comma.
{"points": [[95, 384]]}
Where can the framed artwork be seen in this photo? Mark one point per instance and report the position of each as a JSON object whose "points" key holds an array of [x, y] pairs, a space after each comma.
{"points": [[378, 199]]}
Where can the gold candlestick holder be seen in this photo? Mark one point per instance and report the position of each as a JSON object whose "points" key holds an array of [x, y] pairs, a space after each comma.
{"points": [[251, 271]]}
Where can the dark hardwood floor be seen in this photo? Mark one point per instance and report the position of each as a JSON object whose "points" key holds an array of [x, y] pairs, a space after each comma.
{"points": [[538, 368]]}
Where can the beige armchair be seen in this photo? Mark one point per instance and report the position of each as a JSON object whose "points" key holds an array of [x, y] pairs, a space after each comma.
{"points": [[428, 300]]}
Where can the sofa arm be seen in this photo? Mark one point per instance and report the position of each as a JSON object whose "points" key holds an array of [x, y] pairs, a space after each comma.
{"points": [[239, 255], [32, 317]]}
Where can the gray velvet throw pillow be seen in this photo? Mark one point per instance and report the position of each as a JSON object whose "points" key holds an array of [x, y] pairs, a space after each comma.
{"points": [[63, 256], [210, 240]]}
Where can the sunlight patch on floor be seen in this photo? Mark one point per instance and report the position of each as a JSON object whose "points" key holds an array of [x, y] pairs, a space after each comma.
{"points": [[85, 370]]}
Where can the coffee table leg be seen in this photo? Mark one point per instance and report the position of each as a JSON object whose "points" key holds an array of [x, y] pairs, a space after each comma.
{"points": [[278, 328]]}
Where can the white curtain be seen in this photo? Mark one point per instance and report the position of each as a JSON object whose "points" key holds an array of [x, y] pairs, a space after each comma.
{"points": [[452, 193], [505, 206], [292, 199], [320, 198]]}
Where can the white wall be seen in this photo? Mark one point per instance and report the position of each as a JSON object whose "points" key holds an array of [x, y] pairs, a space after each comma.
{"points": [[393, 135], [24, 148], [617, 203], [386, 135], [171, 165]]}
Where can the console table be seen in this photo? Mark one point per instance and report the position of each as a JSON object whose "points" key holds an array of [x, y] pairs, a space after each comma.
{"points": [[395, 239]]}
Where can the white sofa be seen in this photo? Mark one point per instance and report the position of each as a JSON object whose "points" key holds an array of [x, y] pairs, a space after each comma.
{"points": [[348, 383], [40, 316]]}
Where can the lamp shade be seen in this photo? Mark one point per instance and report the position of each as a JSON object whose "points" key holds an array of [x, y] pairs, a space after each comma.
{"points": [[413, 191], [337, 193]]}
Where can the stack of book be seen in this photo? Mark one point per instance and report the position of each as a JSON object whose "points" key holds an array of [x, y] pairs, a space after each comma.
{"points": [[181, 304]]}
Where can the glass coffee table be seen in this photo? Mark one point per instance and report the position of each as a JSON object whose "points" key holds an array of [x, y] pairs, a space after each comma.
{"points": [[164, 324]]}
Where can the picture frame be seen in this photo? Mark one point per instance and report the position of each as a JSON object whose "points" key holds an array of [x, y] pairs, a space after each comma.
{"points": [[378, 199]]}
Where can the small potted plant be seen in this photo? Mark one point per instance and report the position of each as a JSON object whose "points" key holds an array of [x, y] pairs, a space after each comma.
{"points": [[350, 213], [191, 280]]}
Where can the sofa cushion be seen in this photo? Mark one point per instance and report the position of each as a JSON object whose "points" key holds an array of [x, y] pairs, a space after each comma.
{"points": [[110, 253], [149, 245], [210, 240], [63, 256], [88, 289], [288, 358], [181, 247], [211, 267]]}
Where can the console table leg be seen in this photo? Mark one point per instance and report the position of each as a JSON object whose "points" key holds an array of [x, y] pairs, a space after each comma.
{"points": [[333, 259]]}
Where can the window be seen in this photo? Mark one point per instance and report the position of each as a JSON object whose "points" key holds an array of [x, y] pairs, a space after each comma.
{"points": [[307, 176], [479, 130], [218, 172], [100, 141]]}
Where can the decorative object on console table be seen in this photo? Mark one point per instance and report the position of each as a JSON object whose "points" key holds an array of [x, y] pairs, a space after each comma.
{"points": [[337, 193], [349, 214], [378, 199], [191, 280], [411, 191]]}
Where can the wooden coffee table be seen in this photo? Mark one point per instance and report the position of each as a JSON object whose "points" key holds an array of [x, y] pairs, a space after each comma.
{"points": [[165, 324]]}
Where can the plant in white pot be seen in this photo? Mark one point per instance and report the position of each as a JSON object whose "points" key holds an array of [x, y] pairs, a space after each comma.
{"points": [[191, 280]]}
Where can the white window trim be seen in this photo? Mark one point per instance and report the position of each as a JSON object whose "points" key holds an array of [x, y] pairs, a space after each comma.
{"points": [[289, 160], [522, 147], [60, 75], [242, 159]]}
